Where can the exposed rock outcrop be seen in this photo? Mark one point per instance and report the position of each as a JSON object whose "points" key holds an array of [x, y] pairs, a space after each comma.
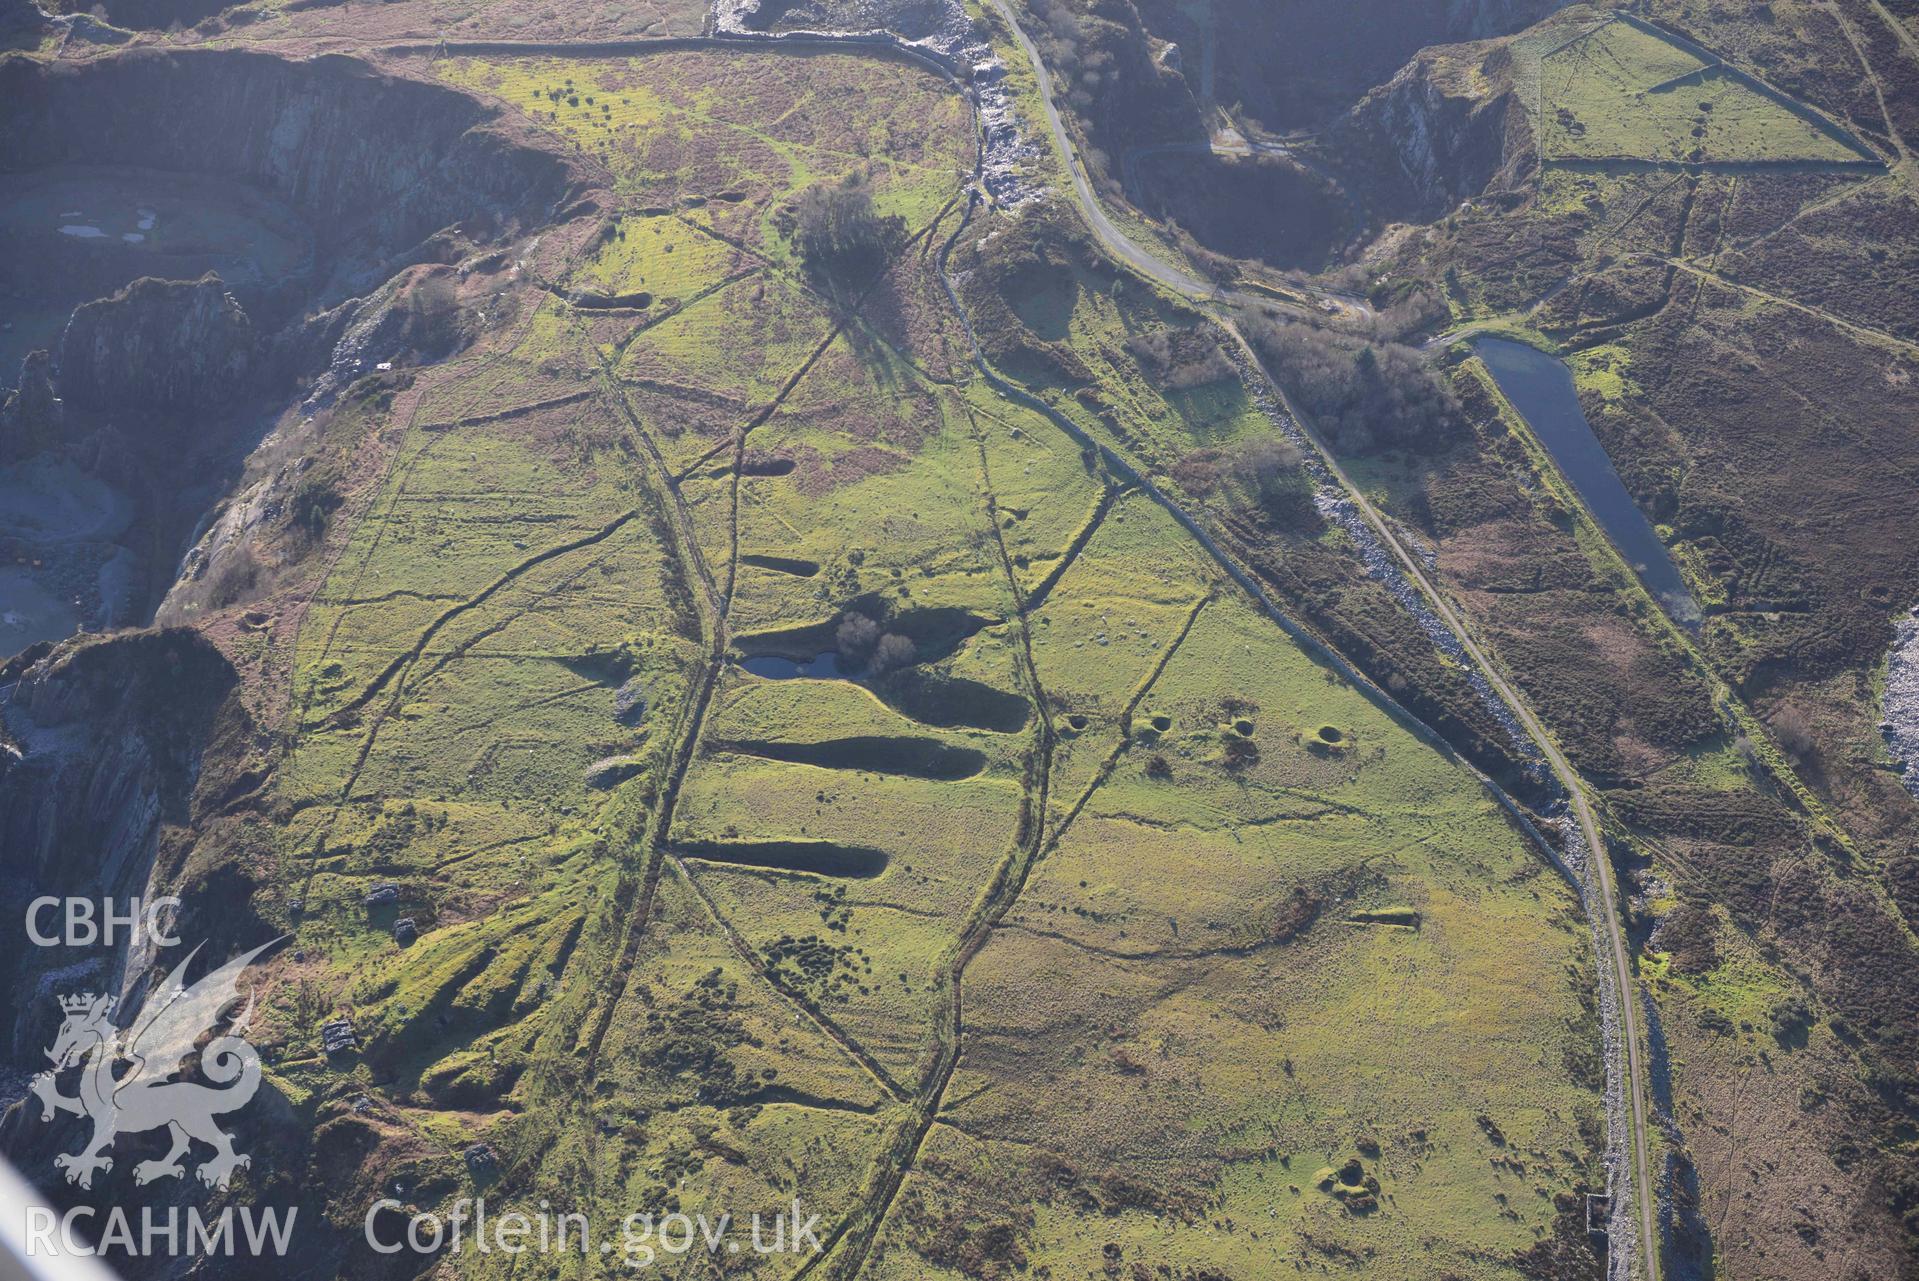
{"points": [[375, 163], [162, 386], [158, 345], [31, 417], [156, 14], [1296, 63], [120, 721], [1901, 725], [101, 744], [1447, 128], [20, 19]]}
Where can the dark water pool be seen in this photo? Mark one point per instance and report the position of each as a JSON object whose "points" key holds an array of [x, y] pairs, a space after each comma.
{"points": [[1541, 388], [822, 666]]}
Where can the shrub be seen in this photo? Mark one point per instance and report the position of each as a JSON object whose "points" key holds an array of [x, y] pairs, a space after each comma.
{"points": [[1794, 732], [1792, 1018], [838, 232], [855, 638], [1241, 753], [312, 504], [236, 577], [1182, 358], [1274, 473], [1363, 396], [892, 653]]}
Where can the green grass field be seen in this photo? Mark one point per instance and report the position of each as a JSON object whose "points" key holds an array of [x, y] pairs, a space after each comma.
{"points": [[1181, 1008], [1621, 92], [1155, 918]]}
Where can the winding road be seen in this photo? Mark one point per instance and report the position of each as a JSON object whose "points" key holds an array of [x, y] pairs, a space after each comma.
{"points": [[1603, 894], [1117, 242]]}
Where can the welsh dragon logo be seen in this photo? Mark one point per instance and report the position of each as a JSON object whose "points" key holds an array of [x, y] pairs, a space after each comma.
{"points": [[124, 1086]]}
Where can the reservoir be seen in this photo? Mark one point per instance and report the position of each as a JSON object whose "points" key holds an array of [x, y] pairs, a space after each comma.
{"points": [[1541, 389]]}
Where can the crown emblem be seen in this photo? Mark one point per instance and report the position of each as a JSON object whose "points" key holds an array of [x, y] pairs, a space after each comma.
{"points": [[127, 1074]]}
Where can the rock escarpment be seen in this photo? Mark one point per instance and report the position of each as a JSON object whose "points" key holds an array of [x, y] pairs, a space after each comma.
{"points": [[160, 14], [1289, 64], [381, 169], [346, 181], [376, 164], [101, 746], [31, 415], [1447, 128], [20, 20], [166, 344]]}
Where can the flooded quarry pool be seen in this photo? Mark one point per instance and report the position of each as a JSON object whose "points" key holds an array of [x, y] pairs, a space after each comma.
{"points": [[29, 613], [60, 565], [73, 232], [1541, 389]]}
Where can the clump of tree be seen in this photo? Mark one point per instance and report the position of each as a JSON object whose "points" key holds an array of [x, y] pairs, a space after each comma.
{"points": [[1794, 732], [1268, 473], [1182, 358], [1275, 474], [1791, 1020], [892, 653], [1363, 396], [1106, 75], [841, 237], [855, 637], [313, 502], [863, 644]]}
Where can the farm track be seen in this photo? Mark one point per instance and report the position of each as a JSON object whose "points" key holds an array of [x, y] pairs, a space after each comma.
{"points": [[479, 598], [658, 842], [375, 488], [634, 902], [1877, 337], [854, 1050], [1844, 22], [1125, 743], [1000, 895], [396, 671], [1101, 506]]}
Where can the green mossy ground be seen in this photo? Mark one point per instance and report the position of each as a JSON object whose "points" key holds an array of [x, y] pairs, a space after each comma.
{"points": [[691, 937], [1621, 91]]}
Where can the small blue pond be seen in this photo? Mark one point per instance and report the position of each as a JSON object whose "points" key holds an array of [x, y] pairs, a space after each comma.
{"points": [[1541, 389]]}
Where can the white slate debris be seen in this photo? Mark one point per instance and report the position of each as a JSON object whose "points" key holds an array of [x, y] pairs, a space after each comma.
{"points": [[1336, 506], [1901, 726], [1622, 1242], [940, 32]]}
